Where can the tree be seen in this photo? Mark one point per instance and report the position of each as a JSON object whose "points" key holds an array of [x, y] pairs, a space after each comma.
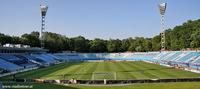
{"points": [[195, 37], [139, 44], [53, 42], [114, 45], [97, 45], [125, 44], [81, 44], [66, 43], [16, 40], [31, 39], [132, 45], [156, 43], [147, 44], [5, 39]]}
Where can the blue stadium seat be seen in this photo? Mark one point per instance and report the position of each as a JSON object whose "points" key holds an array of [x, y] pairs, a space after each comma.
{"points": [[9, 66]]}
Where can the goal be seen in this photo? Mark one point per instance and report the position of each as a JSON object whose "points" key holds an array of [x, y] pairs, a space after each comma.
{"points": [[104, 75]]}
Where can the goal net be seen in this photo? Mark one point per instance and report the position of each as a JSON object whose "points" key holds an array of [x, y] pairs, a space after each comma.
{"points": [[104, 75]]}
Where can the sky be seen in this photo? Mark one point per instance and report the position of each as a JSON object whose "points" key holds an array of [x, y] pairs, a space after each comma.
{"points": [[106, 19]]}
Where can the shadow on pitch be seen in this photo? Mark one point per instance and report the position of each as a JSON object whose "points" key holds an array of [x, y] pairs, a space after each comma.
{"points": [[142, 70]]}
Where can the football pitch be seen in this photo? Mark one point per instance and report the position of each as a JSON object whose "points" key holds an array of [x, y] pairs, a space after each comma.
{"points": [[105, 70], [123, 70]]}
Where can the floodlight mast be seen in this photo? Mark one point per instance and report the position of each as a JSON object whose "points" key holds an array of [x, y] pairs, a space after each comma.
{"points": [[162, 8], [43, 9]]}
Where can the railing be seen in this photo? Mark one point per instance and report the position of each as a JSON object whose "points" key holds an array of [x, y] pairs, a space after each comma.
{"points": [[108, 81], [18, 71]]}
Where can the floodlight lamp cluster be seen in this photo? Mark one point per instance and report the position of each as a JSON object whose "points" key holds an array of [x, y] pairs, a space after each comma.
{"points": [[162, 8], [43, 9]]}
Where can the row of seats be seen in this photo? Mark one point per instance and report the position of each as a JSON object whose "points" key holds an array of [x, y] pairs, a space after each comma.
{"points": [[16, 62], [68, 57], [106, 56], [9, 66], [178, 57]]}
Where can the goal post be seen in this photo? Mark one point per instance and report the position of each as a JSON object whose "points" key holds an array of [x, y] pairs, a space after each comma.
{"points": [[104, 75]]}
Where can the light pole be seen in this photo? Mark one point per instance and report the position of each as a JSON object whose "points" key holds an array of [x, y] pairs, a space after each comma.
{"points": [[43, 9], [162, 8]]}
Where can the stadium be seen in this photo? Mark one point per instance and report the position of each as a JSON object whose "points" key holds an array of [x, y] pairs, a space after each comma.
{"points": [[102, 68], [47, 60]]}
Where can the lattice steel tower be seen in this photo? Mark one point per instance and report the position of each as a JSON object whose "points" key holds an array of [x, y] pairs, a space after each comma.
{"points": [[162, 8], [43, 9]]}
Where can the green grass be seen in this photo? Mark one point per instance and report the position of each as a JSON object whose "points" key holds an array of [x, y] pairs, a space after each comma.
{"points": [[124, 70], [192, 85], [38, 73]]}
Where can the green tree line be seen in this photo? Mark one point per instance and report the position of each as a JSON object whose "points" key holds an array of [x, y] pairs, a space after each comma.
{"points": [[180, 37]]}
